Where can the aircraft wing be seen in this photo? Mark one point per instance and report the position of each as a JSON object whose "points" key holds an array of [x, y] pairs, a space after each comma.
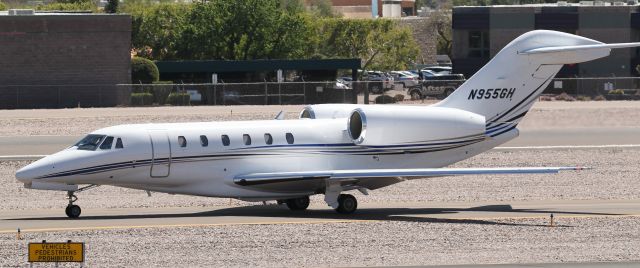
{"points": [[255, 179]]}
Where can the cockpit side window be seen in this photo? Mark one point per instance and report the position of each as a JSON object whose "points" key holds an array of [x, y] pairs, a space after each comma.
{"points": [[90, 142], [119, 144], [106, 144]]}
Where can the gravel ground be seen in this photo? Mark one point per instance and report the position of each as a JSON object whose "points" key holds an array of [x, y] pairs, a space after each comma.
{"points": [[401, 241], [408, 241], [615, 177], [77, 122]]}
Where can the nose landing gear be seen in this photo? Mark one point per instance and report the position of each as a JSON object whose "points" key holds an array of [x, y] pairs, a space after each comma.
{"points": [[72, 211]]}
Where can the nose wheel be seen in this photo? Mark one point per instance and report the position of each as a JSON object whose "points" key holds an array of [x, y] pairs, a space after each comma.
{"points": [[72, 211]]}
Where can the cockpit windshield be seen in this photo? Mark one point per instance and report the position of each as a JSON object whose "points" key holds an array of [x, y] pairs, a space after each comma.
{"points": [[90, 142]]}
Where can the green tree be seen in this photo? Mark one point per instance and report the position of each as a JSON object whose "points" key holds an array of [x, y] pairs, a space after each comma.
{"points": [[440, 21], [112, 6], [2, 6], [381, 44], [158, 28], [241, 31], [322, 8], [292, 6]]}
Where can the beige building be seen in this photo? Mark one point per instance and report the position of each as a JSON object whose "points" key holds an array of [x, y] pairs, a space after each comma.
{"points": [[365, 8]]}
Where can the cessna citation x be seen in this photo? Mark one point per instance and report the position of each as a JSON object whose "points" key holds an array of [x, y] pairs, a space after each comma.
{"points": [[331, 148]]}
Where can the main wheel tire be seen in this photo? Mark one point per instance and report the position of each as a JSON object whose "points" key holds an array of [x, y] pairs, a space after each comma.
{"points": [[73, 211], [301, 203], [415, 95], [347, 204]]}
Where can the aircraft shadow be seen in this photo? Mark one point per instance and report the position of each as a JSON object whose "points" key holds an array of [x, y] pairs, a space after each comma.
{"points": [[376, 214]]}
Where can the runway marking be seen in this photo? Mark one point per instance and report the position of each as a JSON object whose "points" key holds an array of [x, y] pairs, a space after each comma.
{"points": [[20, 157], [121, 227], [570, 147]]}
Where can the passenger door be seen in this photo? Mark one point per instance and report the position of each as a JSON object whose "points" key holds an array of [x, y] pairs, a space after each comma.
{"points": [[160, 153]]}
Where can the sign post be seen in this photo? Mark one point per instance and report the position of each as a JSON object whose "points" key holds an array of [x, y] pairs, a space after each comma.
{"points": [[56, 252]]}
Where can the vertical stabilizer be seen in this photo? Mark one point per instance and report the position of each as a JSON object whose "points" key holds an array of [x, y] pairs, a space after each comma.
{"points": [[506, 87]]}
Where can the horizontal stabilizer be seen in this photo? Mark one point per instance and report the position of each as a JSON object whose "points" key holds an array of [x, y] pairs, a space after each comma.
{"points": [[553, 49], [265, 178]]}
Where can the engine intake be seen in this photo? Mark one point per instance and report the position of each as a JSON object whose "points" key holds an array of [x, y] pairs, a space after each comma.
{"points": [[386, 125]]}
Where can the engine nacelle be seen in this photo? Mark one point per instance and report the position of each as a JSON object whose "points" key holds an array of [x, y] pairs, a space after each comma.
{"points": [[328, 111], [384, 125]]}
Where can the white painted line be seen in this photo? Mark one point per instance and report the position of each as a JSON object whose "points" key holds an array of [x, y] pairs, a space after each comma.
{"points": [[20, 157], [570, 147]]}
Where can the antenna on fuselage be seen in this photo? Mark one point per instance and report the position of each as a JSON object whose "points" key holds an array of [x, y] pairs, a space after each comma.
{"points": [[280, 116]]}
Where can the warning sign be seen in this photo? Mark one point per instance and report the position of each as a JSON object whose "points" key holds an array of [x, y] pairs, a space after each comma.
{"points": [[56, 252]]}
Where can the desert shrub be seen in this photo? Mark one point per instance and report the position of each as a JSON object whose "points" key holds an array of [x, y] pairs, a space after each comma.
{"points": [[143, 70], [178, 98], [161, 91], [398, 97], [383, 99], [616, 91], [599, 98], [583, 98], [141, 99], [3, 7], [565, 97]]}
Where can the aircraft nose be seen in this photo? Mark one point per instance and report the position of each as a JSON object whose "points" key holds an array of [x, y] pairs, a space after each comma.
{"points": [[34, 170]]}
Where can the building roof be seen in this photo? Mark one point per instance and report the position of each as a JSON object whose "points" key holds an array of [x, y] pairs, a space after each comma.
{"points": [[221, 66]]}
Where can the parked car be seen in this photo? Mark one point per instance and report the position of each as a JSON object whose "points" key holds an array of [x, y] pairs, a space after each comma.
{"points": [[378, 81], [341, 84], [435, 85], [406, 79], [439, 69], [346, 80]]}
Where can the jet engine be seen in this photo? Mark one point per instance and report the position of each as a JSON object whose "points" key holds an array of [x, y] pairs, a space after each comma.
{"points": [[385, 125], [328, 111]]}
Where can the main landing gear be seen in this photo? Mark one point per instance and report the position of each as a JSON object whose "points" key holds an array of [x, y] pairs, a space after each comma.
{"points": [[301, 203], [346, 203], [73, 211]]}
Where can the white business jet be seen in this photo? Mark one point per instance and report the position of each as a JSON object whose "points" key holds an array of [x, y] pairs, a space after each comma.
{"points": [[331, 148]]}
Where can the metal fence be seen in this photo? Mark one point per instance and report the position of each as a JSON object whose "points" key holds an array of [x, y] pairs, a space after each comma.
{"points": [[608, 87], [272, 93], [266, 93]]}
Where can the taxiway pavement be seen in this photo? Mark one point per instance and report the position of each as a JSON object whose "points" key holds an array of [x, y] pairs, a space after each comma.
{"points": [[480, 212]]}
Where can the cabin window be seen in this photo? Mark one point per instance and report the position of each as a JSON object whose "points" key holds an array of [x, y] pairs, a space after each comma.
{"points": [[90, 142], [246, 139], [289, 137], [119, 144], [225, 140], [182, 141], [268, 139], [204, 141], [106, 144]]}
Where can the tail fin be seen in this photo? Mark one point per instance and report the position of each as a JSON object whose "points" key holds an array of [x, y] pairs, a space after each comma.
{"points": [[506, 87]]}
